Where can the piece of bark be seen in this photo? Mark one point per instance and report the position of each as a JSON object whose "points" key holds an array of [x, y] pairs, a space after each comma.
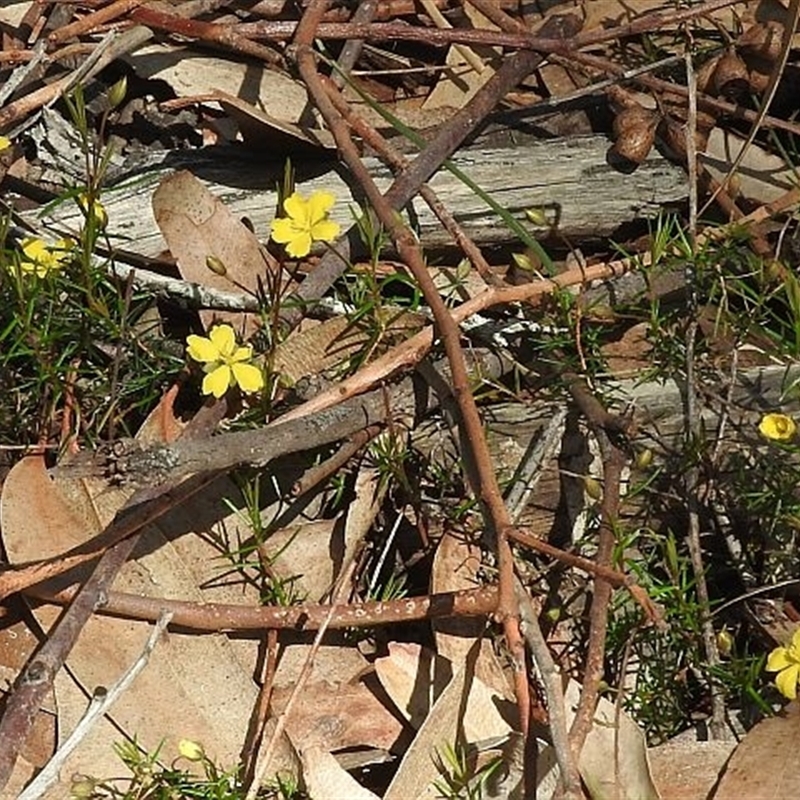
{"points": [[568, 178]]}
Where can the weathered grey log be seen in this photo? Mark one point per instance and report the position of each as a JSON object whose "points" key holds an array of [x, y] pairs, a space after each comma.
{"points": [[658, 408], [568, 178]]}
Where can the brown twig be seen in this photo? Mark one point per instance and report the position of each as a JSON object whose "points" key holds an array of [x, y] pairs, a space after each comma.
{"points": [[230, 617], [224, 35], [485, 486], [450, 136], [36, 679], [125, 43], [390, 156], [316, 475], [516, 38], [92, 21], [613, 463], [414, 349], [260, 714]]}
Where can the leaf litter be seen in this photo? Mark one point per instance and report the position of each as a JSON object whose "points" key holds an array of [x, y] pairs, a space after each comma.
{"points": [[455, 701]]}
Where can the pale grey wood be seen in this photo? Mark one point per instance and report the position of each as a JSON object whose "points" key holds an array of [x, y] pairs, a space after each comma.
{"points": [[658, 410], [568, 176]]}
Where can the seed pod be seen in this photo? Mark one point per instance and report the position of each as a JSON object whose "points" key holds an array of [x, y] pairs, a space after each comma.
{"points": [[731, 78], [759, 79], [704, 78], [762, 40], [675, 137], [635, 132]]}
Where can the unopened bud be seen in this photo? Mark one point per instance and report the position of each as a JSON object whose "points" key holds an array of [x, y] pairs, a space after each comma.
{"points": [[82, 786], [216, 266], [537, 216], [522, 261], [191, 750], [593, 487], [116, 94], [724, 642], [644, 458]]}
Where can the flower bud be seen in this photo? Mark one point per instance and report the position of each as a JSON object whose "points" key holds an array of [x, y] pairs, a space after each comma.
{"points": [[116, 94], [592, 487], [216, 266], [193, 751], [724, 642], [82, 786]]}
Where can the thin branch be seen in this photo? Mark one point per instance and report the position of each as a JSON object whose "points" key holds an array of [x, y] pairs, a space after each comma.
{"points": [[100, 704]]}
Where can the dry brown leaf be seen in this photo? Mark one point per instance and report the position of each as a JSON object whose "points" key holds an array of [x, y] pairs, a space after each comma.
{"points": [[201, 675], [762, 176], [318, 346], [338, 716], [684, 767], [270, 134], [206, 677], [613, 762], [196, 226], [326, 780], [446, 724], [192, 72], [629, 354], [765, 763], [455, 567], [414, 678], [338, 708], [457, 85]]}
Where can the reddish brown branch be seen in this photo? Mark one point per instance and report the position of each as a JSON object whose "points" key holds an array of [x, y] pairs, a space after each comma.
{"points": [[36, 679], [613, 463], [308, 617]]}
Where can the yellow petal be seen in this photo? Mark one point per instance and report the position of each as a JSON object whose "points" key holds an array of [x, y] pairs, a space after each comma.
{"points": [[284, 230], [34, 249], [794, 647], [202, 349], [778, 427], [319, 204], [5, 143], [217, 381], [778, 660], [296, 208], [243, 353], [325, 231], [224, 338], [299, 246], [249, 377], [786, 681]]}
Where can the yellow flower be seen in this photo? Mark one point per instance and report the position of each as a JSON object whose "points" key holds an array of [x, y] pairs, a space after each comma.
{"points": [[786, 662], [223, 362], [40, 259], [191, 750], [5, 143], [778, 427], [306, 221], [98, 212]]}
